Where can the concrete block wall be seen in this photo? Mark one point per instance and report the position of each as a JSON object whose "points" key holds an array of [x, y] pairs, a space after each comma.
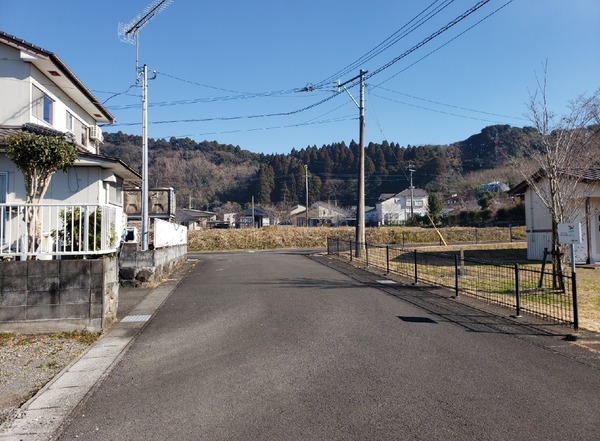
{"points": [[148, 268], [58, 295]]}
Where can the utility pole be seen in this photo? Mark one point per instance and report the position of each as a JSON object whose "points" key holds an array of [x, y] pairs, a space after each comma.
{"points": [[306, 190], [130, 34], [360, 208], [411, 169], [145, 219]]}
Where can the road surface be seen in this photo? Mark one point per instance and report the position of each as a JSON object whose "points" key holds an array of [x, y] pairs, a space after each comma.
{"points": [[277, 346]]}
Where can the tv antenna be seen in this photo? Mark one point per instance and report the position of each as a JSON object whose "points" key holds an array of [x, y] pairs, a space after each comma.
{"points": [[129, 33]]}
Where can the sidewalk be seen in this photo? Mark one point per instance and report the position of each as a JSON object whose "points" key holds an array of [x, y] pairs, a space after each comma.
{"points": [[44, 414]]}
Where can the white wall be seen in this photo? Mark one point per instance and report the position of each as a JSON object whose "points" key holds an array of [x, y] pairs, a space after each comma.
{"points": [[15, 108]]}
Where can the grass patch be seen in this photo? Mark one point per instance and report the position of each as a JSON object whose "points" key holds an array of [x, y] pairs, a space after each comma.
{"points": [[14, 339]]}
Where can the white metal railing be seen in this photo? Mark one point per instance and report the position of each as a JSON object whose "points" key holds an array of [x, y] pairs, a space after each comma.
{"points": [[48, 231]]}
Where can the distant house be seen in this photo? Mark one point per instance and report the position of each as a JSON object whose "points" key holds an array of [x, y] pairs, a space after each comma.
{"points": [[256, 217], [195, 219], [494, 187], [396, 209], [319, 214], [538, 222], [371, 216]]}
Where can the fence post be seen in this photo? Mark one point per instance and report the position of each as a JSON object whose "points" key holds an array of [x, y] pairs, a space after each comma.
{"points": [[476, 236], [86, 228], [328, 253], [575, 307], [338, 247], [517, 290], [403, 239], [510, 233], [455, 276], [367, 253], [350, 250], [387, 258], [416, 269]]}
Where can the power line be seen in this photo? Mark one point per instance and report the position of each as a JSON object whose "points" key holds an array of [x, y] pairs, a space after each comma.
{"points": [[388, 42], [255, 129], [431, 37], [231, 118], [445, 44]]}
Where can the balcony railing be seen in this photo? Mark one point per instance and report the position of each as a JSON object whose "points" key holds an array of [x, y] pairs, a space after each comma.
{"points": [[46, 231]]}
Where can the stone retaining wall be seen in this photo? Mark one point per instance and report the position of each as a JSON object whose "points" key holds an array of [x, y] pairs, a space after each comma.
{"points": [[39, 296], [147, 268]]}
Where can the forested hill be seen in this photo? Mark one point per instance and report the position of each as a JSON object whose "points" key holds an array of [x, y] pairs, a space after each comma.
{"points": [[211, 174]]}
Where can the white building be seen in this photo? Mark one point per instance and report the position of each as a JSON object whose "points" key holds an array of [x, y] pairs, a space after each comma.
{"points": [[538, 222], [396, 209]]}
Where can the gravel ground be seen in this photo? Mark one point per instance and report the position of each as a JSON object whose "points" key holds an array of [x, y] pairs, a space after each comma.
{"points": [[28, 362]]}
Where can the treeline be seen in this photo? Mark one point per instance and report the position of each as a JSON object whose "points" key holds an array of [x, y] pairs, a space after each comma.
{"points": [[208, 174]]}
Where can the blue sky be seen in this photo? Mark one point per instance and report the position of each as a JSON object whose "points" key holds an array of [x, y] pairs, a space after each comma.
{"points": [[221, 66]]}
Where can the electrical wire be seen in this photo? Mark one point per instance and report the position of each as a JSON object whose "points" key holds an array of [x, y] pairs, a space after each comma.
{"points": [[118, 94], [255, 129], [388, 42], [448, 105], [435, 110], [232, 118], [446, 43]]}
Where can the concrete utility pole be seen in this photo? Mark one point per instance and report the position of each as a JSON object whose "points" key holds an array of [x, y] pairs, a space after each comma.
{"points": [[360, 208], [411, 169], [306, 191], [145, 219]]}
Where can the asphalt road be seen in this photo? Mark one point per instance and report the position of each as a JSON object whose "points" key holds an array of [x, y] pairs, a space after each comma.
{"points": [[276, 346]]}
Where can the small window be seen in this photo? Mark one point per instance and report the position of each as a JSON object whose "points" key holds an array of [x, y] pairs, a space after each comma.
{"points": [[42, 105], [115, 192], [81, 132], [70, 122]]}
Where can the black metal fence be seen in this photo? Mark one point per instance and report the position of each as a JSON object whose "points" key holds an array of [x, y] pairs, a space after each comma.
{"points": [[524, 288]]}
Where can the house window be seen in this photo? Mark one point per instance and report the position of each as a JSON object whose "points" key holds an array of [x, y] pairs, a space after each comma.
{"points": [[81, 132], [70, 122], [42, 105], [115, 192]]}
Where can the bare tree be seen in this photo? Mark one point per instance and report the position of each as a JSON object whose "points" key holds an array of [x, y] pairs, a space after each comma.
{"points": [[568, 146]]}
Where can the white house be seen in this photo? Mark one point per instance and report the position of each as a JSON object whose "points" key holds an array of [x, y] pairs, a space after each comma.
{"points": [[396, 209], [319, 214], [40, 95], [538, 222]]}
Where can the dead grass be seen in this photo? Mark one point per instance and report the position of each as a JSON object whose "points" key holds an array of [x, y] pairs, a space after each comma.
{"points": [[278, 237]]}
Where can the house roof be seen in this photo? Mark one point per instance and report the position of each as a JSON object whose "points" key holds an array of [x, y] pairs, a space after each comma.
{"points": [[53, 67], [417, 192], [187, 214], [114, 165], [84, 157], [258, 211], [590, 175]]}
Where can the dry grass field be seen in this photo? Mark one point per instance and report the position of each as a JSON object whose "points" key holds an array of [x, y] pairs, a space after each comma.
{"points": [[476, 243]]}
